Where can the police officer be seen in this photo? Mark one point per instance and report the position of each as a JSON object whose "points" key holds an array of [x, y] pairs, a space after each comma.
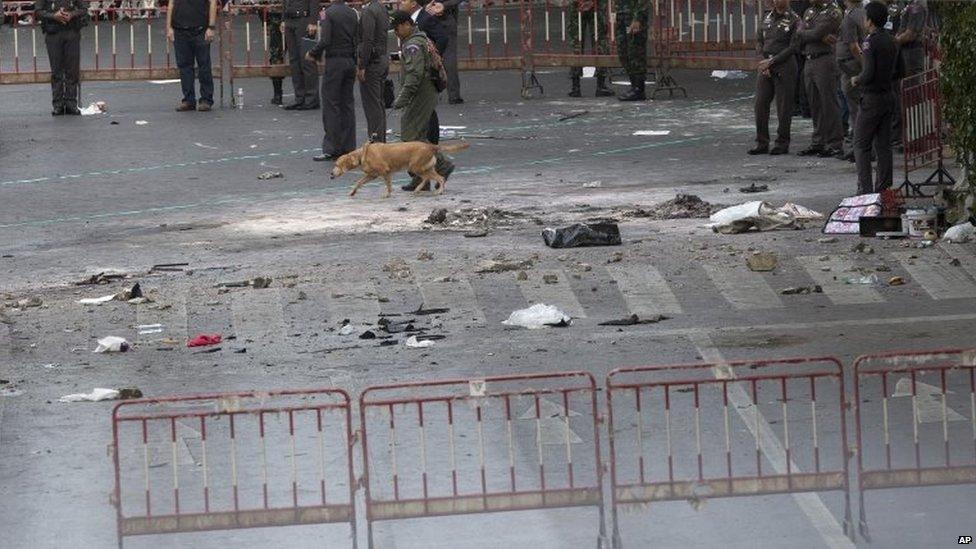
{"points": [[337, 43], [816, 38], [908, 27], [801, 105], [447, 12], [417, 96], [879, 55], [276, 49], [61, 21], [848, 54], [631, 36], [299, 22], [777, 77], [588, 30], [373, 66]]}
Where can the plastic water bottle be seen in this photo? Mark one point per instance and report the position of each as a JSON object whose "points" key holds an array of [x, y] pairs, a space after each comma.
{"points": [[239, 98]]}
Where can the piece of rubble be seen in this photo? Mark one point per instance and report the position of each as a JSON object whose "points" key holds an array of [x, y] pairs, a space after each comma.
{"points": [[753, 188], [425, 255], [398, 269], [346, 329], [503, 265], [862, 248], [30, 302], [896, 281], [634, 320], [550, 278], [522, 275], [270, 175], [762, 262], [415, 343], [682, 206], [827, 240], [101, 278], [802, 290]]}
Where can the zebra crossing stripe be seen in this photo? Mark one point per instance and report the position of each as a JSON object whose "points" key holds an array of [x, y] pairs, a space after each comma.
{"points": [[645, 290], [259, 318], [441, 289], [965, 259], [833, 281], [355, 301], [560, 293], [939, 280], [742, 288]]}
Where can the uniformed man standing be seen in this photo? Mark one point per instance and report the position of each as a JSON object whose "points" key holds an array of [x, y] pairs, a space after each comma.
{"points": [[373, 66], [447, 12], [877, 102], [337, 43], [908, 34], [61, 21], [588, 31], [848, 55], [417, 96], [299, 22], [631, 36], [816, 38], [777, 77], [276, 49]]}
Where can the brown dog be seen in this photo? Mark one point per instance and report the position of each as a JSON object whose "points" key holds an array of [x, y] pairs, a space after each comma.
{"points": [[385, 159]]}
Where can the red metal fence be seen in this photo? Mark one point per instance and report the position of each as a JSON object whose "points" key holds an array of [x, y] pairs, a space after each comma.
{"points": [[922, 131], [497, 444], [233, 460], [932, 392], [659, 451]]}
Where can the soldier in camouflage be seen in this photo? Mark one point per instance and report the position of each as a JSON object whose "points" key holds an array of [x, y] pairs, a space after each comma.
{"points": [[586, 19], [631, 36], [276, 49], [417, 96]]}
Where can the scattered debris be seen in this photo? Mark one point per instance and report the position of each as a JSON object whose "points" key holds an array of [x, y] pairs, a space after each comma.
{"points": [[862, 248], [398, 269], [760, 216], [414, 343], [475, 234], [827, 240], [112, 344], [270, 175], [753, 188], [368, 334], [425, 255], [896, 281], [866, 279], [593, 184], [396, 327], [580, 235], [762, 262], [173, 267], [522, 276], [97, 107], [433, 311], [617, 257], [538, 316], [503, 265], [472, 217], [550, 278], [633, 320], [962, 232], [30, 302], [955, 262], [204, 340], [258, 283], [145, 329], [132, 295], [98, 394], [682, 206], [802, 290], [346, 329]]}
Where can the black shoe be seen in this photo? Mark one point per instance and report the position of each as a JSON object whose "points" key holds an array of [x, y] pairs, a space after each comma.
{"points": [[455, 101], [325, 157], [779, 150], [72, 110], [276, 86], [812, 151], [636, 92], [831, 153], [309, 107], [412, 186], [758, 150], [574, 91], [295, 106], [601, 88], [58, 110]]}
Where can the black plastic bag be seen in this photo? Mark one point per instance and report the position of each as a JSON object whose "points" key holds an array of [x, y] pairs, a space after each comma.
{"points": [[579, 235]]}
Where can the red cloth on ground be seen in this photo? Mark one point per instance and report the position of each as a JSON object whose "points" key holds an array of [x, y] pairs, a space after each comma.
{"points": [[202, 340]]}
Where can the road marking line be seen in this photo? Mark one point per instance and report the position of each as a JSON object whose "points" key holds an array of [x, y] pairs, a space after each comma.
{"points": [[560, 294], [966, 260], [940, 281], [809, 502], [742, 288], [832, 281], [645, 290], [259, 318]]}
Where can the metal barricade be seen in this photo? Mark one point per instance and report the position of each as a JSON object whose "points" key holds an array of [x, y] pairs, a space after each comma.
{"points": [[233, 460], [496, 444], [925, 390], [659, 450], [923, 132]]}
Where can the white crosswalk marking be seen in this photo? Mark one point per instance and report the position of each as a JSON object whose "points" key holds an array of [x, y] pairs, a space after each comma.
{"points": [[455, 294], [940, 280], [644, 289], [355, 301], [967, 261], [832, 281], [171, 312], [259, 318], [743, 288], [560, 294]]}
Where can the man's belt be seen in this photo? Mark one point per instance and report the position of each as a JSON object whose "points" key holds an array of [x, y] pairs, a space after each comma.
{"points": [[811, 56], [190, 29]]}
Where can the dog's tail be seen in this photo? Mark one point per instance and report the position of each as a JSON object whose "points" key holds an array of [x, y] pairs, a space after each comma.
{"points": [[454, 148]]}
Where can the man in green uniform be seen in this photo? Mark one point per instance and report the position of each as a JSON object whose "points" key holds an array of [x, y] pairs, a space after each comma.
{"points": [[817, 38], [777, 77], [588, 30], [418, 96], [631, 36], [276, 49]]}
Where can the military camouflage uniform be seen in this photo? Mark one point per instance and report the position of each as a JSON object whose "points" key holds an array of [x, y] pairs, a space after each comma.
{"points": [[418, 96], [583, 11], [632, 48]]}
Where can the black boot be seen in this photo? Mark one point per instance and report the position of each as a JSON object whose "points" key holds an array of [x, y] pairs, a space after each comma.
{"points": [[575, 90], [276, 84], [636, 92], [601, 87]]}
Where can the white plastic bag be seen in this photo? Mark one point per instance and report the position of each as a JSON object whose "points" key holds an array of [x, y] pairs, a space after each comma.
{"points": [[112, 344], [538, 316], [962, 232], [414, 343], [96, 395]]}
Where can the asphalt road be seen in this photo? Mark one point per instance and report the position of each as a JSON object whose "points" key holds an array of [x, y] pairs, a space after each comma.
{"points": [[83, 195]]}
